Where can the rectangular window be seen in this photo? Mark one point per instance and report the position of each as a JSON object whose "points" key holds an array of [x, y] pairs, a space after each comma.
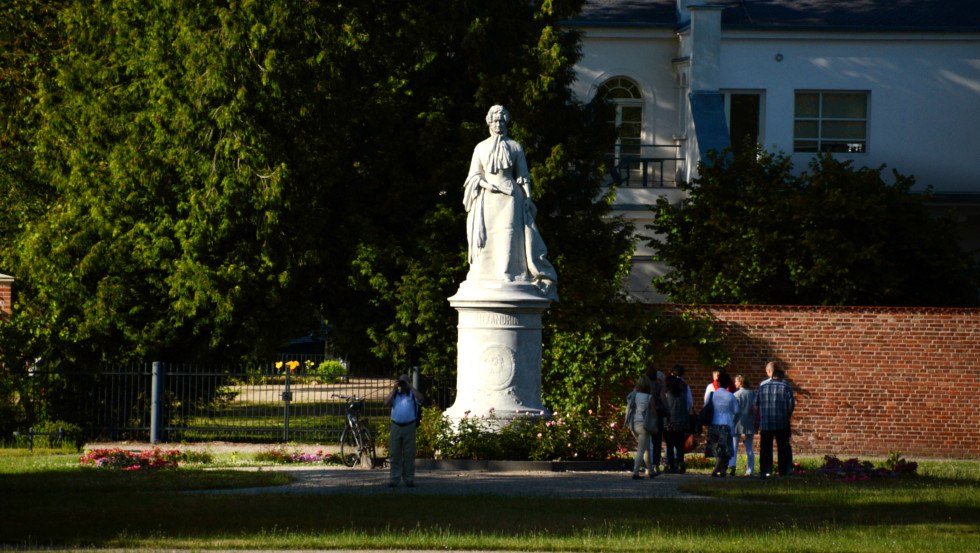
{"points": [[831, 122]]}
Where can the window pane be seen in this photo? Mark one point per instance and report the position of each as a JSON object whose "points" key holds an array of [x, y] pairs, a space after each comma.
{"points": [[838, 146], [632, 113], [805, 129], [619, 88], [617, 93], [844, 129], [629, 147], [845, 105], [804, 145], [807, 104], [629, 130]]}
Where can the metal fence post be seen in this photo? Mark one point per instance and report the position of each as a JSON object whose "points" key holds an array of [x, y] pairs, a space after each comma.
{"points": [[287, 396], [156, 403], [416, 378]]}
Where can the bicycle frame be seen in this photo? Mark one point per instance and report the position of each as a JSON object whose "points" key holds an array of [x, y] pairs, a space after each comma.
{"points": [[355, 439]]}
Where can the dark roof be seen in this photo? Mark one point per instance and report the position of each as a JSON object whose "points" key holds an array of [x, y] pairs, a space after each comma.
{"points": [[640, 13], [844, 15]]}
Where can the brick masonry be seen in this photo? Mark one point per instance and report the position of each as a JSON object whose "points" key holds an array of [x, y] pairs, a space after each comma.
{"points": [[6, 297], [867, 381]]}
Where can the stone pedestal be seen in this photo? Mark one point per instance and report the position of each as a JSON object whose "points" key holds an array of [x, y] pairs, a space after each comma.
{"points": [[499, 350]]}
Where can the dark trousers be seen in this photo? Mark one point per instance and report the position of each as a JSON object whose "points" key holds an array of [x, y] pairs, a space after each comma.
{"points": [[783, 449], [675, 448], [721, 465], [656, 448]]}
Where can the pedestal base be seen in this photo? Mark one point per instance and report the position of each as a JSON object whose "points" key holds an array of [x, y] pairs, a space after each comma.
{"points": [[499, 350]]}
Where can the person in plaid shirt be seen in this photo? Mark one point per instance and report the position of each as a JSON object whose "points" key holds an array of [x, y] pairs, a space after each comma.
{"points": [[774, 401]]}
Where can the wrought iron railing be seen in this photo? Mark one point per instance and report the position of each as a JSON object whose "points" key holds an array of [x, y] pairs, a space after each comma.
{"points": [[652, 166], [256, 403]]}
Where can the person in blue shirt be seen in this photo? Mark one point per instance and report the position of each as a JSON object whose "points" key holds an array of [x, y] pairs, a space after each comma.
{"points": [[775, 403], [404, 401]]}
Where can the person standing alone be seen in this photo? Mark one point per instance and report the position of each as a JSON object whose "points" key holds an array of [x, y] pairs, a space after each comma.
{"points": [[404, 401], [774, 400]]}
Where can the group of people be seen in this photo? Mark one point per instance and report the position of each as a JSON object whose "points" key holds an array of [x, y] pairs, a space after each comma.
{"points": [[660, 410], [659, 413]]}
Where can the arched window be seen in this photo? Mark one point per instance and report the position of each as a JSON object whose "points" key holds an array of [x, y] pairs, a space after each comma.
{"points": [[625, 96]]}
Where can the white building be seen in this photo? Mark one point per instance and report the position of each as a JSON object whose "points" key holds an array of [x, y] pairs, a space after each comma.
{"points": [[893, 82]]}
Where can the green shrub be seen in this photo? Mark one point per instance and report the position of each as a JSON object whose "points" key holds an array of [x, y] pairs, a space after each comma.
{"points": [[585, 436], [327, 372]]}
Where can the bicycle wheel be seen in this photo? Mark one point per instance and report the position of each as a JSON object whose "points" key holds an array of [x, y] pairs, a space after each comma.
{"points": [[348, 448], [367, 441]]}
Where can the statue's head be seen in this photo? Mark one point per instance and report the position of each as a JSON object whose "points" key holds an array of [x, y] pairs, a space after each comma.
{"points": [[497, 119]]}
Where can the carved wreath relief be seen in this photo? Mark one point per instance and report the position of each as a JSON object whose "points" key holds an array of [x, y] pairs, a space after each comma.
{"points": [[498, 363]]}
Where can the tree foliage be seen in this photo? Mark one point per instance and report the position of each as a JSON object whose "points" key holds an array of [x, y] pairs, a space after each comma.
{"points": [[219, 177], [753, 231], [587, 362]]}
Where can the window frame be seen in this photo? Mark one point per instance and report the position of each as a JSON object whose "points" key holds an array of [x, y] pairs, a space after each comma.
{"points": [[823, 143], [636, 101]]}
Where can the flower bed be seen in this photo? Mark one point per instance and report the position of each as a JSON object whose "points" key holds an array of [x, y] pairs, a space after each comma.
{"points": [[854, 470], [116, 458], [156, 458], [282, 456]]}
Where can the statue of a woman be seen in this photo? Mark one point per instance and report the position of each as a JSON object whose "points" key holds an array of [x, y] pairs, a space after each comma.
{"points": [[504, 243]]}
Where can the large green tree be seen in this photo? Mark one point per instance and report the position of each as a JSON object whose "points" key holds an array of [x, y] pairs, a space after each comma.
{"points": [[752, 230], [224, 175]]}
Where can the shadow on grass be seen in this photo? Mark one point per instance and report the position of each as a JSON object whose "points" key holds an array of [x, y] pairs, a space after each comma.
{"points": [[92, 507]]}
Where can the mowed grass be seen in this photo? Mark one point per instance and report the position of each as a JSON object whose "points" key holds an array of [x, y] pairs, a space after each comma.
{"points": [[47, 500]]}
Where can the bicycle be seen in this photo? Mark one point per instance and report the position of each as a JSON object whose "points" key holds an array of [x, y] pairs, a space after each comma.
{"points": [[356, 440]]}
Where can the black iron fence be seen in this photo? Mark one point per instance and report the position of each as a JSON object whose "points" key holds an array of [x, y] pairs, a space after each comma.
{"points": [[295, 399], [654, 166]]}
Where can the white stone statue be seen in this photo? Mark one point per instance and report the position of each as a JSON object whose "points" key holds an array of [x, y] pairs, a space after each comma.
{"points": [[504, 242]]}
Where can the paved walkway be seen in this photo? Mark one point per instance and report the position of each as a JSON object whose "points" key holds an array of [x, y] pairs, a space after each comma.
{"points": [[338, 480], [358, 481]]}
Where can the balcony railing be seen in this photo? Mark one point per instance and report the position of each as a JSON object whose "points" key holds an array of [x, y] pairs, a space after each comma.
{"points": [[654, 166]]}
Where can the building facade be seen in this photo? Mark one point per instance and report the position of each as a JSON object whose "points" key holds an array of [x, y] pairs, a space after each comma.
{"points": [[878, 82]]}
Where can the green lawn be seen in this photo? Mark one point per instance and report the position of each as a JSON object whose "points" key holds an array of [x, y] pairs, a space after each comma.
{"points": [[47, 500]]}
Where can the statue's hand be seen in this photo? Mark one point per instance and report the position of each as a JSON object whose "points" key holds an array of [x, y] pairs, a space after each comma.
{"points": [[505, 187]]}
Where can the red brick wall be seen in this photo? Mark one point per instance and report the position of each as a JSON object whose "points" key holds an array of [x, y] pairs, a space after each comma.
{"points": [[866, 380], [6, 299]]}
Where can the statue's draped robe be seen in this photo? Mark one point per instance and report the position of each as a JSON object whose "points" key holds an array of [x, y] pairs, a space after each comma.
{"points": [[504, 242]]}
